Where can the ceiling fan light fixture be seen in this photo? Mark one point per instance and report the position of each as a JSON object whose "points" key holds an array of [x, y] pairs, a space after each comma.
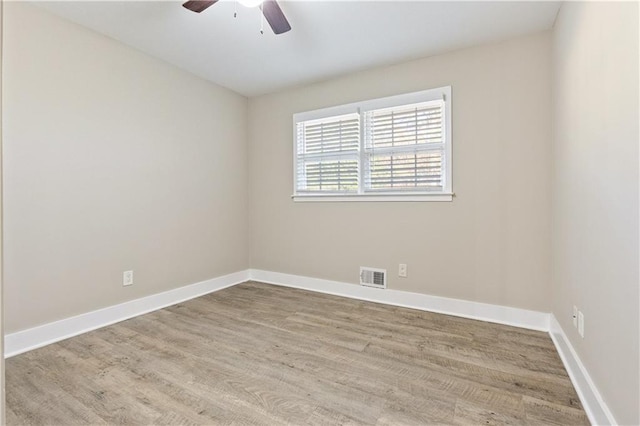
{"points": [[250, 3], [269, 8]]}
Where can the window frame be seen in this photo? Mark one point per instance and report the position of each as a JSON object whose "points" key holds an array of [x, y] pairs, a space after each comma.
{"points": [[441, 93]]}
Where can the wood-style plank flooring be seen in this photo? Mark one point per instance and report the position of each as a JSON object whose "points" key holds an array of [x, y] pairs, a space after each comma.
{"points": [[262, 354]]}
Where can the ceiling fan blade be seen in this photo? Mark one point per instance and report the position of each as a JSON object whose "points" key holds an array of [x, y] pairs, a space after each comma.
{"points": [[275, 17], [198, 5]]}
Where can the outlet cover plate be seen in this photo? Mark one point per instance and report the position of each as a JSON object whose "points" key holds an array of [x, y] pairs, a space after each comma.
{"points": [[580, 324], [127, 278], [402, 270]]}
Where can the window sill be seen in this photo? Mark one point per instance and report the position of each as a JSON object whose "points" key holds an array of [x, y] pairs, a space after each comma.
{"points": [[420, 197]]}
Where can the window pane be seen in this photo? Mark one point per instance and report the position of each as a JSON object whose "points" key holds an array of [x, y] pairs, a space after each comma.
{"points": [[405, 171], [330, 135], [405, 125], [328, 176]]}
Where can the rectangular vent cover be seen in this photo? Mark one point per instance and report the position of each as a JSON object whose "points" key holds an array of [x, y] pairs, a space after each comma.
{"points": [[373, 277]]}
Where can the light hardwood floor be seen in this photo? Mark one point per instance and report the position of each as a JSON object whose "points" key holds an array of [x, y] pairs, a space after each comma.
{"points": [[262, 354]]}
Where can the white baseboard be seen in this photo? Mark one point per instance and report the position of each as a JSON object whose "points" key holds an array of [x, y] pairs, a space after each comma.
{"points": [[595, 407], [36, 337], [462, 308]]}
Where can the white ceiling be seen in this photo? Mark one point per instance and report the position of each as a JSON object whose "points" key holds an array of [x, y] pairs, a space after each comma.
{"points": [[328, 38]]}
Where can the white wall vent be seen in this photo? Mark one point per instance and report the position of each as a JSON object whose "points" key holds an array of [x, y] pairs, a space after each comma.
{"points": [[373, 277]]}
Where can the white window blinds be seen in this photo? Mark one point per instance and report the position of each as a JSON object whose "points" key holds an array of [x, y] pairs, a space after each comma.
{"points": [[328, 154], [397, 147], [405, 148]]}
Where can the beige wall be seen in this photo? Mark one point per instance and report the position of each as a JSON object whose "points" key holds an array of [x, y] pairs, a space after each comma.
{"points": [[491, 244], [595, 194], [2, 387], [113, 161]]}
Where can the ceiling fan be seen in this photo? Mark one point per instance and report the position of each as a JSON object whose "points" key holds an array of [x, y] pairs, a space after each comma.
{"points": [[270, 9]]}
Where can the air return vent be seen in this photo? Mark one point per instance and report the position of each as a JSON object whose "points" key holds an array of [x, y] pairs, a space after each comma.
{"points": [[373, 277]]}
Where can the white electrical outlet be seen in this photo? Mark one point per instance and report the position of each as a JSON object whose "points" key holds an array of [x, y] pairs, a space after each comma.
{"points": [[580, 324], [127, 278], [402, 270], [575, 316]]}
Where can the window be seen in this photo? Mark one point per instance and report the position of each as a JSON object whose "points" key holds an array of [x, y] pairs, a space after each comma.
{"points": [[395, 149]]}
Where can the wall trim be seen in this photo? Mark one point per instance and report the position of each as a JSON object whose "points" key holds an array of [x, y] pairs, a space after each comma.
{"points": [[523, 318], [36, 337], [595, 407]]}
